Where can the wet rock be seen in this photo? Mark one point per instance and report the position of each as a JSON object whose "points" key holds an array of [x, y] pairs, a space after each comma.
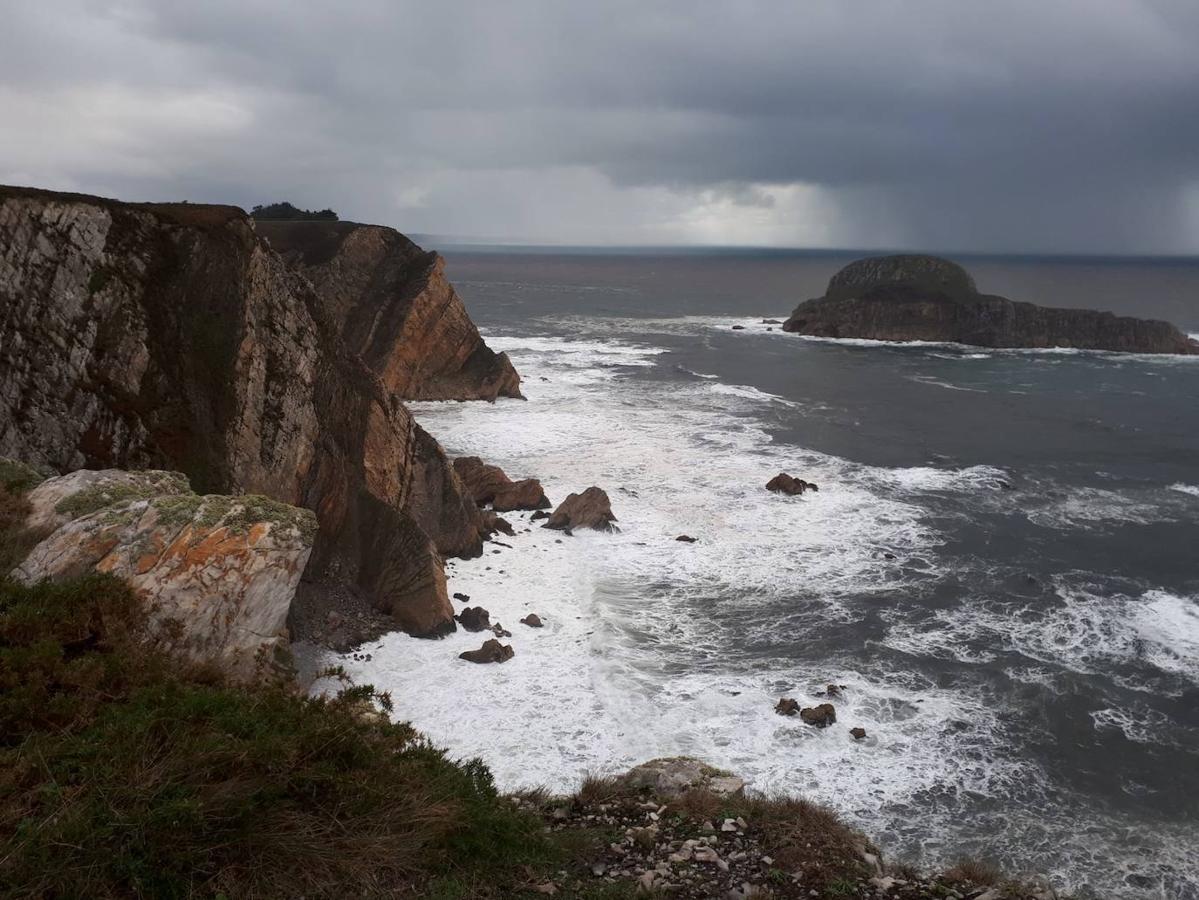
{"points": [[532, 620], [590, 509], [493, 523], [540, 514], [858, 733], [771, 322], [787, 707], [465, 598], [782, 483], [492, 651], [474, 618], [500, 631], [488, 484], [738, 328], [686, 538], [821, 716]]}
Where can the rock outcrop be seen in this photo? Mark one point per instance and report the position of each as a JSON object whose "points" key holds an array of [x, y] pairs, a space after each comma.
{"points": [[782, 483], [590, 509], [396, 309], [172, 336], [492, 651], [218, 573], [488, 485], [821, 716], [924, 298], [677, 775]]}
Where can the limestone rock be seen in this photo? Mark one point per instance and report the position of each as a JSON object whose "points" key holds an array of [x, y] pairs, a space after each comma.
{"points": [[218, 573], [924, 298], [590, 509], [492, 651], [676, 775]]}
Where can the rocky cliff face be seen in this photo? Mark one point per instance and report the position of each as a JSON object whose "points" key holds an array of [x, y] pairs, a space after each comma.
{"points": [[922, 298], [172, 336], [396, 310]]}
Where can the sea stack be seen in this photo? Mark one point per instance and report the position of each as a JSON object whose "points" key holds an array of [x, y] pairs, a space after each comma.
{"points": [[925, 298]]}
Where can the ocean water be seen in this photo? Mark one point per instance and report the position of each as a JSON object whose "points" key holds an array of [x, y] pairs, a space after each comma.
{"points": [[1001, 565]]}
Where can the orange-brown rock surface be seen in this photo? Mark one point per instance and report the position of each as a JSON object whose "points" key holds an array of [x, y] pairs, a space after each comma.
{"points": [[590, 509], [218, 574], [396, 309], [488, 484], [172, 336]]}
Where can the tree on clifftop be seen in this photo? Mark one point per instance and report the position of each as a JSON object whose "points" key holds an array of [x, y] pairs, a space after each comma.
{"points": [[285, 210]]}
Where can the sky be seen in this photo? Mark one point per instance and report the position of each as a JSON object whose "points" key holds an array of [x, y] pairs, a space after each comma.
{"points": [[1056, 126]]}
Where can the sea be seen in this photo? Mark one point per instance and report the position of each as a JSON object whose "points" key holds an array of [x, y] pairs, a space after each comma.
{"points": [[1001, 565]]}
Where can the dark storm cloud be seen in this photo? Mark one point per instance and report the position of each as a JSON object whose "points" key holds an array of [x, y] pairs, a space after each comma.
{"points": [[934, 123]]}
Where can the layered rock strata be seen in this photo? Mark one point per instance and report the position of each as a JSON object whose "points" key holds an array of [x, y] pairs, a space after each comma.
{"points": [[172, 336], [396, 309]]}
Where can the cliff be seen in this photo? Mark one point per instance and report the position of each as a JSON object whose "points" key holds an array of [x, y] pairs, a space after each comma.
{"points": [[172, 336], [395, 309], [923, 298]]}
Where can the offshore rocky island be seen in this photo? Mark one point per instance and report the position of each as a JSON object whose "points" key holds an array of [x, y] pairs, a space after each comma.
{"points": [[924, 298], [207, 456]]}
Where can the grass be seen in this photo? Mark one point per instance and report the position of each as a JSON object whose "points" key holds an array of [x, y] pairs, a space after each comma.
{"points": [[123, 773]]}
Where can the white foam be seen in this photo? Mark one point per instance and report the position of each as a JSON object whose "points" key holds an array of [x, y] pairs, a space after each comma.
{"points": [[1192, 489], [636, 659], [1097, 508]]}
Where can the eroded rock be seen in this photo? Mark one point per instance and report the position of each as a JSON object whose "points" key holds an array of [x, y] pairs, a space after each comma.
{"points": [[820, 716], [590, 509], [676, 775], [782, 483], [492, 651], [218, 573]]}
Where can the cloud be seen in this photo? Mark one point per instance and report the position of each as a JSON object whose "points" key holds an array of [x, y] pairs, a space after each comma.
{"points": [[1055, 125]]}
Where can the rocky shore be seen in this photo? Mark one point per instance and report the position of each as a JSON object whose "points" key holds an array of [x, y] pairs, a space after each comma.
{"points": [[211, 410], [924, 298]]}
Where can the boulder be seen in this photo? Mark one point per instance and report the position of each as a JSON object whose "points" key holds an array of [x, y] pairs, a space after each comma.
{"points": [[787, 707], [686, 538], [532, 620], [782, 483], [858, 733], [474, 618], [218, 573], [492, 651], [461, 597], [488, 484], [677, 775], [540, 514], [590, 509], [821, 716]]}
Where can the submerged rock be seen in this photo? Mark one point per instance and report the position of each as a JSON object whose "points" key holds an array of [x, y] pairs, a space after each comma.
{"points": [[787, 707], [925, 298], [590, 509], [492, 651]]}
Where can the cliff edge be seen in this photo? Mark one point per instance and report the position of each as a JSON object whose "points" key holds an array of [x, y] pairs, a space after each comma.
{"points": [[924, 298], [172, 336], [395, 309]]}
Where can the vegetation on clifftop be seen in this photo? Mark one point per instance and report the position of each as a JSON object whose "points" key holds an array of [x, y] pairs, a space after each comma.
{"points": [[285, 210]]}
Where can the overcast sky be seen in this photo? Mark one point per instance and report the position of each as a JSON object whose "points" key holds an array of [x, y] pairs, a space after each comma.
{"points": [[1030, 125]]}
